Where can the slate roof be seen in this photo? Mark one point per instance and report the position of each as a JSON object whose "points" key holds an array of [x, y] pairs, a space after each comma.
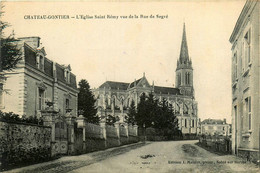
{"points": [[114, 85], [166, 90], [133, 83], [124, 86], [213, 121], [30, 59]]}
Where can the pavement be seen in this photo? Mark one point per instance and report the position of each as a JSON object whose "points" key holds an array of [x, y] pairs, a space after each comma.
{"points": [[149, 157]]}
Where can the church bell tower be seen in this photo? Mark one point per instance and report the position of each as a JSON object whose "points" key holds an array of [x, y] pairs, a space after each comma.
{"points": [[184, 70]]}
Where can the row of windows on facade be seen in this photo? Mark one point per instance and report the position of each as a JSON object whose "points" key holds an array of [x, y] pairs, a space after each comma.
{"points": [[214, 127], [42, 100], [109, 105], [187, 78], [40, 65], [186, 123], [246, 115], [244, 58]]}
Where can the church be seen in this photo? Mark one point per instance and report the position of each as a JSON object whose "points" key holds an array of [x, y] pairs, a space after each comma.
{"points": [[114, 98]]}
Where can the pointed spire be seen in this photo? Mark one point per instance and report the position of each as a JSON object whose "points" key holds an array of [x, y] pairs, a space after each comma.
{"points": [[144, 74], [184, 54]]}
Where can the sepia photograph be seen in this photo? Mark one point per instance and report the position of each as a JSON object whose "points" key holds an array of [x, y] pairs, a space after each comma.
{"points": [[129, 86]]}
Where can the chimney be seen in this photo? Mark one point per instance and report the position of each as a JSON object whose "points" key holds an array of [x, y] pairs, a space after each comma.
{"points": [[225, 121], [34, 42]]}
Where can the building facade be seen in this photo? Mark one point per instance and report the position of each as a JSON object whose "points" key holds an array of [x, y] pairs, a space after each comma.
{"points": [[37, 81], [246, 81], [215, 126], [114, 98]]}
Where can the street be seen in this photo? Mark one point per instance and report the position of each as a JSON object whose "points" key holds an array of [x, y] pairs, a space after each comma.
{"points": [[167, 156]]}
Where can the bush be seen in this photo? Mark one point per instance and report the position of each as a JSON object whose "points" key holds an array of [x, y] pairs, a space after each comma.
{"points": [[15, 118], [22, 156]]}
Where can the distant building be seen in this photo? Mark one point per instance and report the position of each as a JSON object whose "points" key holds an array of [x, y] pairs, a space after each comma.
{"points": [[114, 98], [36, 81], [245, 81], [215, 126]]}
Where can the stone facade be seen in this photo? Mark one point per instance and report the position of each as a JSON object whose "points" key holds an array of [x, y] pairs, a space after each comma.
{"points": [[213, 126], [36, 81], [114, 98], [245, 80]]}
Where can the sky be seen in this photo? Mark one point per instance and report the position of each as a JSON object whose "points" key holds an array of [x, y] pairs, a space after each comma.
{"points": [[122, 49]]}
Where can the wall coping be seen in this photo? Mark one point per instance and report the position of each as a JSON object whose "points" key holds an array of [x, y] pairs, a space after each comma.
{"points": [[248, 149], [22, 123]]}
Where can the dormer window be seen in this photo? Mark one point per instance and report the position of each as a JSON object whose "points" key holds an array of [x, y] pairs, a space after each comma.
{"points": [[67, 75], [40, 62]]}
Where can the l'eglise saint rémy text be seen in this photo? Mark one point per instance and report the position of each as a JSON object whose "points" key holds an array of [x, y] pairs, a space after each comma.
{"points": [[68, 17]]}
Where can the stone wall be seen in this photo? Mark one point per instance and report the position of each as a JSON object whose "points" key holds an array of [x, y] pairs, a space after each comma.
{"points": [[219, 144], [21, 143], [79, 141], [249, 155]]}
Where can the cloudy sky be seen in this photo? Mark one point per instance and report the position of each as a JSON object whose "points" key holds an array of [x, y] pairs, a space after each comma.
{"points": [[122, 49]]}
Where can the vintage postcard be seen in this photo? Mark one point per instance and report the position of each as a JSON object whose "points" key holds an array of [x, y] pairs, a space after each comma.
{"points": [[128, 86]]}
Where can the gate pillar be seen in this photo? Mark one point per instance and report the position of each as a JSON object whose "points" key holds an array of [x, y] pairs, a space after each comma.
{"points": [[82, 124], [49, 120], [71, 122]]}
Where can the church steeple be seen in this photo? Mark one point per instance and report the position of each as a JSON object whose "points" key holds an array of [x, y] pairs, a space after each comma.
{"points": [[184, 60], [184, 70], [184, 54]]}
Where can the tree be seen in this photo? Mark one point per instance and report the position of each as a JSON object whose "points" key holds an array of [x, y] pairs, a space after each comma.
{"points": [[10, 53], [130, 119], [166, 120], [159, 115], [146, 110], [86, 102]]}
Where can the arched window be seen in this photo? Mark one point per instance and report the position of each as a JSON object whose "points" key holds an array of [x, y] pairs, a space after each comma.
{"points": [[179, 79], [185, 109], [187, 78]]}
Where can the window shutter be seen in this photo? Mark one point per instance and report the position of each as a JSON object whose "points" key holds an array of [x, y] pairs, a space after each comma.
{"points": [[37, 98], [44, 99]]}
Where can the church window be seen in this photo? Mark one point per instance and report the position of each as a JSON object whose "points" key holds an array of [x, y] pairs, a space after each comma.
{"points": [[185, 109], [67, 104], [179, 79], [185, 123], [187, 78]]}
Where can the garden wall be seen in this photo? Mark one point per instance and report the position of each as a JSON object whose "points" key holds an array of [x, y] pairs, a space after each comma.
{"points": [[21, 143], [221, 144]]}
